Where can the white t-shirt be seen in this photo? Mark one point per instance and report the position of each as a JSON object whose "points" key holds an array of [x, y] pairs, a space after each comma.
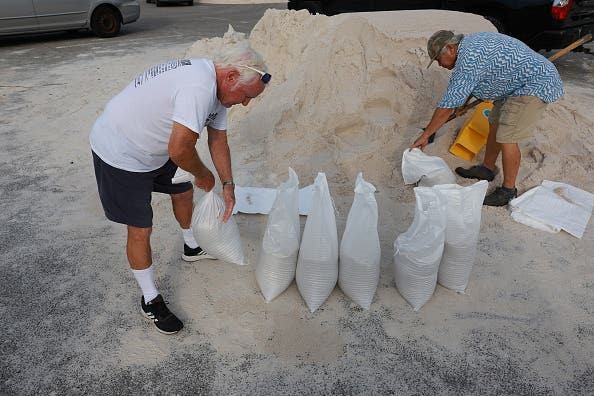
{"points": [[133, 131]]}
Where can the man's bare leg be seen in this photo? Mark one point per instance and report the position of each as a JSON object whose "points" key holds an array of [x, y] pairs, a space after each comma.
{"points": [[182, 208], [493, 148], [138, 250], [138, 247], [511, 156], [183, 204]]}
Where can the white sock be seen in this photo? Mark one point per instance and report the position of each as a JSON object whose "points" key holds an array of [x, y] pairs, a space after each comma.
{"points": [[146, 281], [189, 238]]}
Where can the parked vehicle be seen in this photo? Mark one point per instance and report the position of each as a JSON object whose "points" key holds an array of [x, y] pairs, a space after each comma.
{"points": [[542, 24], [104, 17]]}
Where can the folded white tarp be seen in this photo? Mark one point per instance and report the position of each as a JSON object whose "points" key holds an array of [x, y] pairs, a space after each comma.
{"points": [[254, 199], [260, 200], [554, 206]]}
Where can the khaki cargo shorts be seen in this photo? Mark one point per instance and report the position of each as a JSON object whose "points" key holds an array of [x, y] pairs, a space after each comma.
{"points": [[516, 117]]}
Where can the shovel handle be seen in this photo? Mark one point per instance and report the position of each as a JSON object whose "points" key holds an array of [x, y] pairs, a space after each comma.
{"points": [[571, 46]]}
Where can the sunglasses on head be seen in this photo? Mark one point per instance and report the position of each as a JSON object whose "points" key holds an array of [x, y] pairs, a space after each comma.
{"points": [[265, 76]]}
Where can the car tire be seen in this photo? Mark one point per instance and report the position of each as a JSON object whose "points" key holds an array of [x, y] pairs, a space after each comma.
{"points": [[191, 2], [106, 21], [496, 21], [158, 3]]}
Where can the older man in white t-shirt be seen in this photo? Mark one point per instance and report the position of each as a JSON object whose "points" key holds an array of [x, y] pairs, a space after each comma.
{"points": [[149, 130]]}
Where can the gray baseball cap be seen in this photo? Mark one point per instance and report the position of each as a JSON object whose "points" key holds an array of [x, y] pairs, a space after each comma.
{"points": [[440, 39]]}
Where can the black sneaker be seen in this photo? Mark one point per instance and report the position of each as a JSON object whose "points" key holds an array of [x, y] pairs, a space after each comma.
{"points": [[195, 254], [476, 172], [500, 197], [157, 311]]}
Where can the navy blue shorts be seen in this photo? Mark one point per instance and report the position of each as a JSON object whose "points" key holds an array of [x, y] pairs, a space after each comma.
{"points": [[126, 196]]}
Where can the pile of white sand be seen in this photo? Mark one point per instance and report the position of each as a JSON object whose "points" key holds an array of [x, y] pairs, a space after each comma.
{"points": [[349, 94]]}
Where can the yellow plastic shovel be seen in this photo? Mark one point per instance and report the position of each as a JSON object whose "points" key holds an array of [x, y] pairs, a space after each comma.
{"points": [[473, 134]]}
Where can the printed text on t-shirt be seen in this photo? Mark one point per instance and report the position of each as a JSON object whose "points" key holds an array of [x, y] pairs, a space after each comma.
{"points": [[154, 71]]}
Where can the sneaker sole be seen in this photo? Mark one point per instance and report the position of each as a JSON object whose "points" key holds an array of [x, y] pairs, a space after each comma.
{"points": [[475, 177], [197, 258], [495, 206], [158, 329]]}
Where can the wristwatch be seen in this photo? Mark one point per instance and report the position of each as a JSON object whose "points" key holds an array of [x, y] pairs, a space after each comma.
{"points": [[228, 182]]}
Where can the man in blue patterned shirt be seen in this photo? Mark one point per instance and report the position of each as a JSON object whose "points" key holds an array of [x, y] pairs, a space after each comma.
{"points": [[493, 66]]}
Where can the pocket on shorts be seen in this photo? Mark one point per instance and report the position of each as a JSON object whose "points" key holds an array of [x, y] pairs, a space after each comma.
{"points": [[512, 111], [519, 116]]}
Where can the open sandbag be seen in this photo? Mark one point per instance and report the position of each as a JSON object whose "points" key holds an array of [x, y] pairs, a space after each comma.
{"points": [[426, 170], [220, 240], [275, 269], [317, 265], [359, 260], [464, 205], [418, 251]]}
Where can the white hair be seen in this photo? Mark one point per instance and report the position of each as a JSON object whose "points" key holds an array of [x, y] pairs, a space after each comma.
{"points": [[238, 55]]}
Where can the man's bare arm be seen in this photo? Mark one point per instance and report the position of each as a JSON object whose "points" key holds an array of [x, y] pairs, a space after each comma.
{"points": [[182, 151], [221, 157], [439, 118]]}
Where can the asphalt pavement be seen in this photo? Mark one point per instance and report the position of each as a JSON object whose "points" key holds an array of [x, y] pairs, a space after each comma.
{"points": [[157, 26], [69, 304]]}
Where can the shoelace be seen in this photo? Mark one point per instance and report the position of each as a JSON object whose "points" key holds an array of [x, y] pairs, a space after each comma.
{"points": [[160, 310]]}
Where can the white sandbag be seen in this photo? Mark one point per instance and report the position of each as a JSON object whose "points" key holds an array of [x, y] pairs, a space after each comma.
{"points": [[417, 252], [360, 253], [317, 265], [275, 269], [426, 170], [220, 240], [464, 206]]}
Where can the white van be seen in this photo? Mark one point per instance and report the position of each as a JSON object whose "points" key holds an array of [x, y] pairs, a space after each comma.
{"points": [[103, 17]]}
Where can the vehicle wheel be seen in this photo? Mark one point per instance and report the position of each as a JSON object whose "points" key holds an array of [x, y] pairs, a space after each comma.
{"points": [[191, 2], [158, 3], [105, 22], [150, 1], [314, 7], [497, 23]]}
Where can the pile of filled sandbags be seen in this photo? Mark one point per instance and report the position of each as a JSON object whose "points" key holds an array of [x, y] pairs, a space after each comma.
{"points": [[313, 260], [440, 245]]}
